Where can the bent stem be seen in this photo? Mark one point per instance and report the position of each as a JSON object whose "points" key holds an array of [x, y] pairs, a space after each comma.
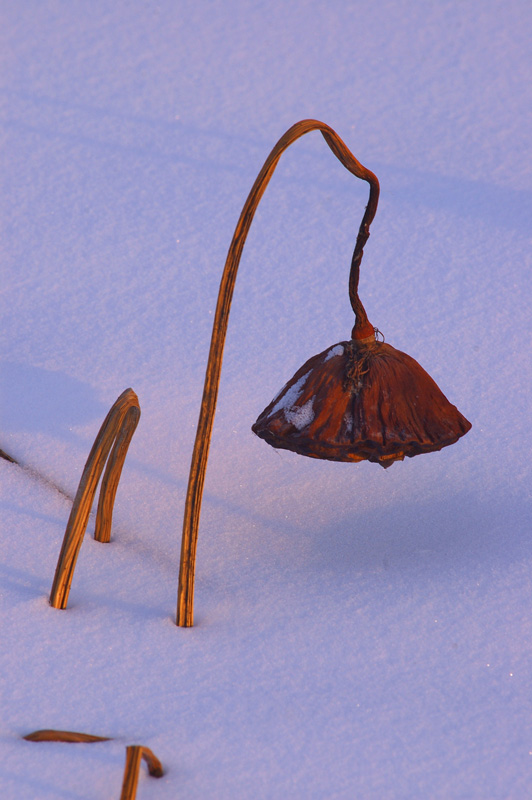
{"points": [[134, 754], [116, 433], [185, 601], [155, 768]]}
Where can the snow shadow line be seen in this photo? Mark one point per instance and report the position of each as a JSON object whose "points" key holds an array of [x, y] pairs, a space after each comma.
{"points": [[479, 199]]}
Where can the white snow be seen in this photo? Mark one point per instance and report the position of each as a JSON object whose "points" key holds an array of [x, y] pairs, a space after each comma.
{"points": [[300, 416], [335, 351], [290, 395], [359, 632]]}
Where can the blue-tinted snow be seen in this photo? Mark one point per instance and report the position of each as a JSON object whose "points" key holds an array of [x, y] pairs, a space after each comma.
{"points": [[359, 632]]}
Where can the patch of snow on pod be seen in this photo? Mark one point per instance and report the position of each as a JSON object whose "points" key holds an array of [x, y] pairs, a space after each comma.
{"points": [[338, 350], [300, 416], [291, 396]]}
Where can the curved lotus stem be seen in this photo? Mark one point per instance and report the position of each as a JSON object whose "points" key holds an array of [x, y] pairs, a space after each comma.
{"points": [[116, 432], [134, 754], [185, 602]]}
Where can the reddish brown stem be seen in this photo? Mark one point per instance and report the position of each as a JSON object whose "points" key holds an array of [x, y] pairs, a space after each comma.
{"points": [[185, 602]]}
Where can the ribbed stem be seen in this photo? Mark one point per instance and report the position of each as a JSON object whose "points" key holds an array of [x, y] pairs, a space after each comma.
{"points": [[115, 432], [134, 754], [185, 602], [131, 772]]}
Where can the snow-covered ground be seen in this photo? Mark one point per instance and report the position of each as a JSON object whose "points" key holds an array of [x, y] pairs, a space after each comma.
{"points": [[360, 633]]}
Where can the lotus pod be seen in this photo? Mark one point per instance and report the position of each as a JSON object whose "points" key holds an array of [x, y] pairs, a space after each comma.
{"points": [[359, 400]]}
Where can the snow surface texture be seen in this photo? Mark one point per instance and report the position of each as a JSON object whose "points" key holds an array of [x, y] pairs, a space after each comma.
{"points": [[360, 633]]}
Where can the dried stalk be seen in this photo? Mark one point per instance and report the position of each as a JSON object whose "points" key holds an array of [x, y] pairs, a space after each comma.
{"points": [[155, 768], [134, 754], [7, 457], [131, 772], [49, 735], [185, 601], [116, 433]]}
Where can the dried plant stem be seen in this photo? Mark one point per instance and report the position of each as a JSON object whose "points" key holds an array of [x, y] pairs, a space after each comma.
{"points": [[36, 475], [116, 433], [134, 754], [7, 457], [49, 735], [155, 768], [185, 602], [131, 772]]}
